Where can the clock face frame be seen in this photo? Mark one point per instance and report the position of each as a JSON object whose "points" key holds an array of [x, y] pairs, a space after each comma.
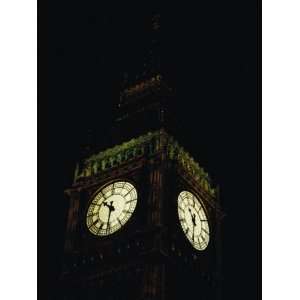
{"points": [[111, 208], [193, 220]]}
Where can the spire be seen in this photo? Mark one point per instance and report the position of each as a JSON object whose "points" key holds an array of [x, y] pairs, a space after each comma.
{"points": [[150, 73], [145, 104], [154, 51], [150, 66]]}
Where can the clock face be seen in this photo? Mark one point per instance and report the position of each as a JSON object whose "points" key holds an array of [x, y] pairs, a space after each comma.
{"points": [[111, 208], [193, 220]]}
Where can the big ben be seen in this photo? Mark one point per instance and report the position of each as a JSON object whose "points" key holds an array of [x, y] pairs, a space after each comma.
{"points": [[144, 218]]}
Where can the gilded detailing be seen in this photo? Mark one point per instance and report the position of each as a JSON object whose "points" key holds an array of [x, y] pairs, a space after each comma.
{"points": [[142, 87], [110, 158], [175, 152], [144, 146]]}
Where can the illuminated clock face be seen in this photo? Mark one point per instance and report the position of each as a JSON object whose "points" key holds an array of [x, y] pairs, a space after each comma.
{"points": [[111, 208], [193, 220]]}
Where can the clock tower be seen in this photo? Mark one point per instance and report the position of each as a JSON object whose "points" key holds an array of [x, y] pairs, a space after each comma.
{"points": [[144, 217]]}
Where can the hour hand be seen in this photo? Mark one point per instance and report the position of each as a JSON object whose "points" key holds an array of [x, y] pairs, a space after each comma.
{"points": [[194, 219], [193, 232]]}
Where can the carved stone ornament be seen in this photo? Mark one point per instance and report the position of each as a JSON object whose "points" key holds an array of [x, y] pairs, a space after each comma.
{"points": [[146, 145]]}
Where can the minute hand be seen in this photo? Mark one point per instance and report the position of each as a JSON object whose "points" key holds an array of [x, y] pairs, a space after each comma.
{"points": [[193, 231], [108, 224]]}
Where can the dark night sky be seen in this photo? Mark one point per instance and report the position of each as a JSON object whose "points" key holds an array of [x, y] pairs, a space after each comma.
{"points": [[209, 52]]}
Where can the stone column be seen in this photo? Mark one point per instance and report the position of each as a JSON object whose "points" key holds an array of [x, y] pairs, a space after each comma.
{"points": [[153, 282], [72, 219]]}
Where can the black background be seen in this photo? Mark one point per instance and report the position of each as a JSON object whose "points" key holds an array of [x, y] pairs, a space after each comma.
{"points": [[210, 56]]}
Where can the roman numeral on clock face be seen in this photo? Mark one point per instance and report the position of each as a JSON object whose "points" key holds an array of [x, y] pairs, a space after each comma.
{"points": [[94, 223], [92, 214], [205, 231], [130, 201]]}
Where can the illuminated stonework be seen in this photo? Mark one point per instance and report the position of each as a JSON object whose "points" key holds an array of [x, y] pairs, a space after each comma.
{"points": [[147, 145], [146, 85]]}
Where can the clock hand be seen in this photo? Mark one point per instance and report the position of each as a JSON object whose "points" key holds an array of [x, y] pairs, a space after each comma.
{"points": [[108, 224], [194, 220], [193, 216], [110, 208], [193, 231]]}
